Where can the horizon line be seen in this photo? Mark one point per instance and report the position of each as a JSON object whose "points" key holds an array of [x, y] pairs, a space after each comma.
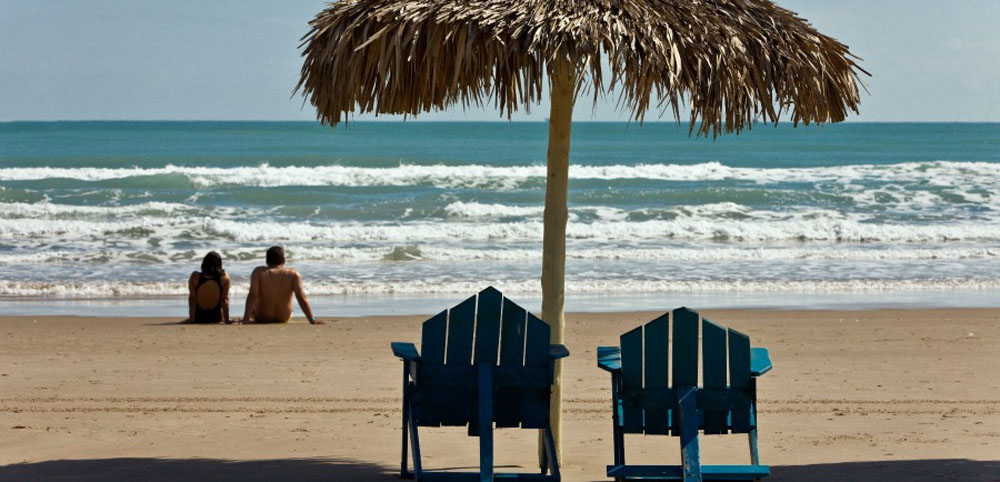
{"points": [[519, 121]]}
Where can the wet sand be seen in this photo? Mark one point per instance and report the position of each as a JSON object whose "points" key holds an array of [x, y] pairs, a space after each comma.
{"points": [[854, 395]]}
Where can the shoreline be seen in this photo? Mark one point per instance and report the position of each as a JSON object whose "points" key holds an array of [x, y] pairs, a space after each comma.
{"points": [[854, 395], [421, 304], [589, 316]]}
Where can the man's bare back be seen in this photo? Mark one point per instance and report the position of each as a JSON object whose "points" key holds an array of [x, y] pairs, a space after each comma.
{"points": [[270, 296]]}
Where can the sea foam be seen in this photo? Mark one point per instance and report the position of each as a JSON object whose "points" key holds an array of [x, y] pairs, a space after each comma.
{"points": [[118, 289], [809, 227], [938, 173], [493, 252]]}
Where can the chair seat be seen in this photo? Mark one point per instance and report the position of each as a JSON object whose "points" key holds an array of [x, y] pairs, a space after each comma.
{"points": [[701, 421], [676, 472]]}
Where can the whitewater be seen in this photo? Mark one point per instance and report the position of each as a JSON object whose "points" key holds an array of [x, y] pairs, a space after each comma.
{"points": [[941, 172], [884, 213]]}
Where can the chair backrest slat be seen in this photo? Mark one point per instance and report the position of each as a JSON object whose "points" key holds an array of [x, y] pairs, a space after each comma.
{"points": [[461, 320], [739, 378], [432, 339], [536, 348], [512, 326], [432, 344], [453, 403], [713, 353], [534, 407], [657, 365], [685, 348], [488, 326], [631, 344], [512, 334], [685, 354]]}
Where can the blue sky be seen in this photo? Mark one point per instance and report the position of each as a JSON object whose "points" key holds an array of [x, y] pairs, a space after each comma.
{"points": [[186, 59]]}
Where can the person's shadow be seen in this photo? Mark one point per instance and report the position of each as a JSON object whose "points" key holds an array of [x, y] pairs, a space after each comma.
{"points": [[145, 469]]}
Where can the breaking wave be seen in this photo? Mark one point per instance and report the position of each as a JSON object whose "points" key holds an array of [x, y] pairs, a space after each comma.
{"points": [[821, 227], [415, 252], [117, 289], [940, 173]]}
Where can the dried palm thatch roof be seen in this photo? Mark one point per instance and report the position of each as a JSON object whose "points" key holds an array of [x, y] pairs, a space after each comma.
{"points": [[730, 61]]}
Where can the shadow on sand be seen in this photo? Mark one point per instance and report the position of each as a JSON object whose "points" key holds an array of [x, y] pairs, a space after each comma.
{"points": [[891, 470], [120, 469], [333, 469]]}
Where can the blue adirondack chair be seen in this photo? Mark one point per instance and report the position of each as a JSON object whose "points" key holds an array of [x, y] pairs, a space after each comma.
{"points": [[682, 408], [507, 379]]}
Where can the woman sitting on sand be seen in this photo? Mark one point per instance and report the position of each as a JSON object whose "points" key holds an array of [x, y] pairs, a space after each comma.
{"points": [[208, 301]]}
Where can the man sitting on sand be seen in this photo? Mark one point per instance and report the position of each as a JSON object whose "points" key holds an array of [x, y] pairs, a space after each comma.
{"points": [[271, 290]]}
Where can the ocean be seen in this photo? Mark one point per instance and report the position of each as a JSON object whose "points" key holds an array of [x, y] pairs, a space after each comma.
{"points": [[110, 218]]}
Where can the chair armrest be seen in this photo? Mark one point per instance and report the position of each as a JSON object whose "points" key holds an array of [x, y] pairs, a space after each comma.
{"points": [[609, 358], [760, 362], [405, 351], [558, 351]]}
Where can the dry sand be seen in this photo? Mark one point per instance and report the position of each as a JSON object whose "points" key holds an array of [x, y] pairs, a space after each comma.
{"points": [[854, 395]]}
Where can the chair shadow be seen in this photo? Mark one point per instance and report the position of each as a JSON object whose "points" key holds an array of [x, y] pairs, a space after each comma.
{"points": [[122, 469], [886, 470], [346, 470]]}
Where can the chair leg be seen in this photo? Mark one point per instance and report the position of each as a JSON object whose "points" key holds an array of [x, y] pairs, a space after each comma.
{"points": [[543, 453], [688, 408], [404, 472], [404, 466], [485, 422], [551, 459], [618, 435], [754, 459], [619, 441], [415, 446]]}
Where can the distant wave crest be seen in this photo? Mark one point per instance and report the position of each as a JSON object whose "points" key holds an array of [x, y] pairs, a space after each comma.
{"points": [[509, 177]]}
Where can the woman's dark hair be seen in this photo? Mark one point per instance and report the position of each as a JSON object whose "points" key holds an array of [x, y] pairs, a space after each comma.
{"points": [[212, 265]]}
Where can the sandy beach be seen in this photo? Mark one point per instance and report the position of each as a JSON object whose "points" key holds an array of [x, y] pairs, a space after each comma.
{"points": [[823, 177], [855, 395]]}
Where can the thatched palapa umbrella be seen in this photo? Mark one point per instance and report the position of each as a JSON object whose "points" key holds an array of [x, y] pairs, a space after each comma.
{"points": [[727, 62]]}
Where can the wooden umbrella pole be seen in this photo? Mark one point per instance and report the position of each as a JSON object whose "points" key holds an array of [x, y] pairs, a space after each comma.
{"points": [[563, 77]]}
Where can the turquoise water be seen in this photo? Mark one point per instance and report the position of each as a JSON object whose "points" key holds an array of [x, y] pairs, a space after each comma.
{"points": [[891, 213]]}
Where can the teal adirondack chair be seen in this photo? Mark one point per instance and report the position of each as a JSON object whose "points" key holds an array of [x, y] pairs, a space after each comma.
{"points": [[507, 379], [682, 408]]}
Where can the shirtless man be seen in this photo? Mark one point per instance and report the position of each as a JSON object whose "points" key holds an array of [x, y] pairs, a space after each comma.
{"points": [[271, 290]]}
